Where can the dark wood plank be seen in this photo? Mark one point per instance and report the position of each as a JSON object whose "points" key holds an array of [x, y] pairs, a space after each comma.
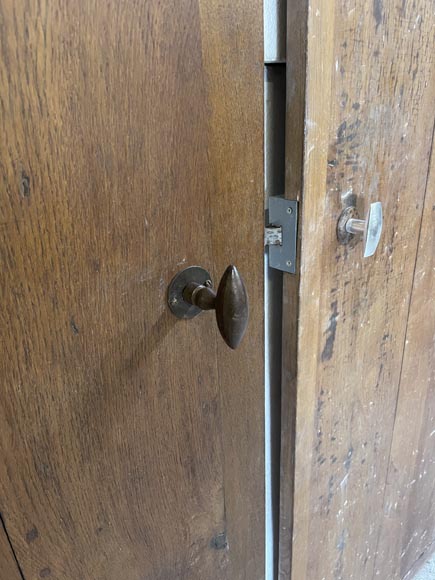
{"points": [[233, 58], [131, 147], [409, 507], [297, 14], [8, 565], [368, 118]]}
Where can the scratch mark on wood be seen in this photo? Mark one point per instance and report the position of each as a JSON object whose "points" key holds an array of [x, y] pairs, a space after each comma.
{"points": [[328, 349], [32, 535], [341, 544], [330, 495], [219, 541], [377, 12], [348, 461], [74, 326], [24, 184]]}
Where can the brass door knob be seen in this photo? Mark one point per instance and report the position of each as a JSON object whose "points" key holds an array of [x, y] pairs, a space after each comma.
{"points": [[191, 292]]}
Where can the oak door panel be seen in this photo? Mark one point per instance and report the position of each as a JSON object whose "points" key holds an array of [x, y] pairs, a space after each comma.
{"points": [[409, 506], [8, 565], [126, 155]]}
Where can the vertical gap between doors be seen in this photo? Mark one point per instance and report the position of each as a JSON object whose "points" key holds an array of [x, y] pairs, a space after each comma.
{"points": [[275, 28], [274, 131]]}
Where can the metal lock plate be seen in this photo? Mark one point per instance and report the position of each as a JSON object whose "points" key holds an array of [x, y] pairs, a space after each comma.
{"points": [[283, 215]]}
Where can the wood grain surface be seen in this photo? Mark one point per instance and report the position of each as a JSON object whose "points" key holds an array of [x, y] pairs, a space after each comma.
{"points": [[132, 135], [368, 119], [409, 507], [294, 153], [8, 566]]}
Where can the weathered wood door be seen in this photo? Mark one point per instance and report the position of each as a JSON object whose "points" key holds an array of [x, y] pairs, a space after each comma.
{"points": [[358, 454], [131, 138]]}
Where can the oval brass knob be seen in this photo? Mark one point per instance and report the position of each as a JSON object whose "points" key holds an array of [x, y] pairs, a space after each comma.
{"points": [[191, 292]]}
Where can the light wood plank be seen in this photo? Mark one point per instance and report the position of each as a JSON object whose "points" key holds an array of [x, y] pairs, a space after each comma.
{"points": [[369, 117], [408, 528]]}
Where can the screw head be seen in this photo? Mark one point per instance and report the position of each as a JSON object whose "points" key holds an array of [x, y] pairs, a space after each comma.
{"points": [[289, 263], [289, 210]]}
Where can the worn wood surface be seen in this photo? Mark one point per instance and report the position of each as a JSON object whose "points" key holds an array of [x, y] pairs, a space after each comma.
{"points": [[368, 119], [8, 566], [294, 153], [131, 443], [232, 52], [409, 506]]}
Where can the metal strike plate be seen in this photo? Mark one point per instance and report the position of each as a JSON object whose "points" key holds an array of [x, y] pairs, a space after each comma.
{"points": [[283, 214]]}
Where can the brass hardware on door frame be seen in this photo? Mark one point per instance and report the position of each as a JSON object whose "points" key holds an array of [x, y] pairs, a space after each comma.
{"points": [[191, 291]]}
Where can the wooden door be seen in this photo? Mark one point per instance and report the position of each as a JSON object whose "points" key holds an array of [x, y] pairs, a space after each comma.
{"points": [[358, 383], [9, 567], [131, 147]]}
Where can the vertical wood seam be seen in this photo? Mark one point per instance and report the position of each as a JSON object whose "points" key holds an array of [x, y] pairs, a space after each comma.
{"points": [[311, 131], [399, 383], [9, 541], [415, 567]]}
